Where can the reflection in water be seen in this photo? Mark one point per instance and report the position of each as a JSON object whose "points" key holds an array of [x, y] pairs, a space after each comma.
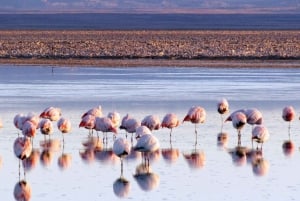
{"points": [[239, 155], [87, 155], [146, 179], [288, 148], [260, 166], [222, 139], [64, 161], [170, 155], [46, 157], [22, 191], [121, 187], [106, 156], [31, 162], [195, 159]]}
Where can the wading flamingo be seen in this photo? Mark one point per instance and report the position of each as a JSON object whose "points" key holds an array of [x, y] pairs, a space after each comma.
{"points": [[51, 113], [129, 124], [97, 112], [260, 134], [288, 114], [239, 120], [195, 115], [105, 125], [223, 108], [46, 127], [121, 148], [115, 118], [88, 122], [152, 122], [65, 126], [170, 121]]}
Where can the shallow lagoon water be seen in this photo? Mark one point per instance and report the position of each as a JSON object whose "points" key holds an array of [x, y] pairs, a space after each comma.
{"points": [[140, 92]]}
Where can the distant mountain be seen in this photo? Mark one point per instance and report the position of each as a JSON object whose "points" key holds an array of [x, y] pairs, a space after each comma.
{"points": [[153, 6]]}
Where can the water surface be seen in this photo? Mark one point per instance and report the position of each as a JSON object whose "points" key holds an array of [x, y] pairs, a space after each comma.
{"points": [[142, 91]]}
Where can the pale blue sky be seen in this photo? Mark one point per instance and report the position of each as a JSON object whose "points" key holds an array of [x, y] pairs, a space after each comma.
{"points": [[196, 6]]}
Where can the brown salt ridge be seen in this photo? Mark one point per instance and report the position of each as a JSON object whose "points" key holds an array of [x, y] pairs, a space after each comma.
{"points": [[151, 48]]}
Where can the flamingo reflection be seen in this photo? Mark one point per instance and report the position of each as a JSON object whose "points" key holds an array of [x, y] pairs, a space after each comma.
{"points": [[288, 148], [32, 161], [91, 145], [222, 139], [22, 191], [121, 187], [146, 179], [260, 166]]}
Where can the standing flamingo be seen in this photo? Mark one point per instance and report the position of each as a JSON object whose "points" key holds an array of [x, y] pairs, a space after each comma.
{"points": [[121, 148], [254, 116], [19, 120], [88, 122], [223, 107], [129, 124], [142, 130], [51, 113], [288, 114], [97, 112], [115, 118], [64, 125], [46, 127], [152, 122], [260, 134], [147, 144], [105, 125], [170, 121], [239, 119], [29, 129], [195, 115]]}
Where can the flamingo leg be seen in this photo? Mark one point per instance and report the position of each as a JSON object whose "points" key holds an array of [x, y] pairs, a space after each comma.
{"points": [[239, 138], [121, 167]]}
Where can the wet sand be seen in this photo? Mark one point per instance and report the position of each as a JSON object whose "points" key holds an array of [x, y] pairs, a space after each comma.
{"points": [[151, 48]]}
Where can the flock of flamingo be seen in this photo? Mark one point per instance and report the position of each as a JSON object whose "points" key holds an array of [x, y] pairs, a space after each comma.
{"points": [[94, 121]]}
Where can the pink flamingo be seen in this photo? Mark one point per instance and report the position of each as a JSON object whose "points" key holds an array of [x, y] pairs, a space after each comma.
{"points": [[64, 125], [147, 144], [260, 134], [22, 147], [170, 121], [223, 107], [121, 148], [239, 119], [129, 124], [115, 118], [105, 125], [254, 116], [97, 112], [152, 122], [288, 114], [19, 120], [29, 129], [195, 115], [46, 127], [51, 113], [88, 122], [142, 130]]}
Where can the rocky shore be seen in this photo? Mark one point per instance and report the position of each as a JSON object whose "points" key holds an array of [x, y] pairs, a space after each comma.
{"points": [[145, 45]]}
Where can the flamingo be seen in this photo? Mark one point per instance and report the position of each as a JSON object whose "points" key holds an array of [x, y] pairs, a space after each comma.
{"points": [[115, 118], [223, 107], [142, 130], [29, 129], [19, 120], [51, 113], [170, 121], [22, 147], [147, 144], [64, 125], [121, 148], [260, 134], [195, 115], [288, 114], [254, 116], [97, 112], [152, 122], [105, 125], [46, 127], [129, 124], [239, 119], [88, 122]]}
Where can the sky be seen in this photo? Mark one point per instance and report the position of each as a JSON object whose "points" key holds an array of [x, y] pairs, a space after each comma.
{"points": [[153, 6]]}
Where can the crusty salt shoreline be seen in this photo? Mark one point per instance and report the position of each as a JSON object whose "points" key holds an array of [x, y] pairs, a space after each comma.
{"points": [[151, 48]]}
